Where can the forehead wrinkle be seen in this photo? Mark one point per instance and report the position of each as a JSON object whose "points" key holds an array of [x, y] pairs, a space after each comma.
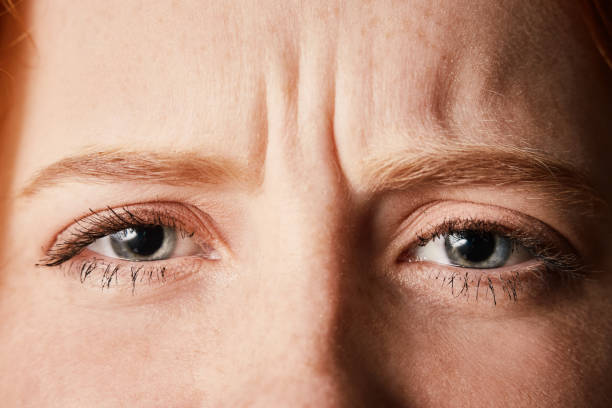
{"points": [[449, 90], [497, 72], [441, 96]]}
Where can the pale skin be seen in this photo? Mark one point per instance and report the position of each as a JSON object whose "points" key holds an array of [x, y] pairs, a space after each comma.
{"points": [[283, 114]]}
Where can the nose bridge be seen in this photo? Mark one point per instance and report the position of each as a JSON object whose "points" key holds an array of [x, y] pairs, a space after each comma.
{"points": [[302, 247], [302, 252], [302, 217]]}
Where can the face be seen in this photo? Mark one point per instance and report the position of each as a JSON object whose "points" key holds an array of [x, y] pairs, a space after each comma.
{"points": [[272, 204]]}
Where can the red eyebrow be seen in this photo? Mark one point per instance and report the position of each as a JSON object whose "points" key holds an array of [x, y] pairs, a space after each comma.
{"points": [[442, 167], [177, 169], [544, 176]]}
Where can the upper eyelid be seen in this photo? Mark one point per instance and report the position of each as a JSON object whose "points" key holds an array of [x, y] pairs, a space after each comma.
{"points": [[518, 237], [72, 241], [457, 224], [551, 249], [107, 220], [464, 224], [424, 221]]}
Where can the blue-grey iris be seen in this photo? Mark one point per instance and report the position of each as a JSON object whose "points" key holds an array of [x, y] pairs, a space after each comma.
{"points": [[477, 249], [144, 243]]}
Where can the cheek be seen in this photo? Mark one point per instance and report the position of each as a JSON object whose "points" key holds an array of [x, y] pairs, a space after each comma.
{"points": [[82, 357], [427, 357], [55, 351], [472, 363]]}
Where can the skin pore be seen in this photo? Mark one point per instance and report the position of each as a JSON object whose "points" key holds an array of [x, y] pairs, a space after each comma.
{"points": [[314, 148]]}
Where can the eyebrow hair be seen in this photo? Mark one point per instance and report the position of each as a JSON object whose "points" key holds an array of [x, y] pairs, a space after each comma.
{"points": [[483, 165], [445, 166], [111, 166]]}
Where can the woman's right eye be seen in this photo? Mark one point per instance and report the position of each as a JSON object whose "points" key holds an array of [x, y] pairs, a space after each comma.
{"points": [[148, 243]]}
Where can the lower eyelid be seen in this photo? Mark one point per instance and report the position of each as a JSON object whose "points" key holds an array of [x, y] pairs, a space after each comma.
{"points": [[109, 274], [518, 284]]}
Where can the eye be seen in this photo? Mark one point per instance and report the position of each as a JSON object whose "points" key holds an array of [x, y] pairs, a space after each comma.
{"points": [[138, 233], [146, 243], [470, 248], [482, 251], [149, 243]]}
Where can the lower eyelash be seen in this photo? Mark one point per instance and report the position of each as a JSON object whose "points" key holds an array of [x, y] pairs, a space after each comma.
{"points": [[538, 278], [464, 285], [106, 274]]}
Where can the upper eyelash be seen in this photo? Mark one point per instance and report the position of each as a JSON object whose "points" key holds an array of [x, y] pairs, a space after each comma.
{"points": [[566, 261], [100, 224], [450, 225]]}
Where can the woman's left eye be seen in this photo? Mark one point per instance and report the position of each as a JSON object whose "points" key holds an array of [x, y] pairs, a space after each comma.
{"points": [[146, 243], [473, 249]]}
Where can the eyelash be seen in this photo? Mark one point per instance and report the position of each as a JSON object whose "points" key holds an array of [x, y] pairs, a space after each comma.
{"points": [[99, 224], [556, 266], [113, 270]]}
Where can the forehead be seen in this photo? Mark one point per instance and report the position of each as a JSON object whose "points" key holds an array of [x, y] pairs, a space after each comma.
{"points": [[221, 76]]}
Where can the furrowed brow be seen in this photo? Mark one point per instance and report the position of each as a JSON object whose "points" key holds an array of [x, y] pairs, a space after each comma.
{"points": [[176, 169], [542, 175]]}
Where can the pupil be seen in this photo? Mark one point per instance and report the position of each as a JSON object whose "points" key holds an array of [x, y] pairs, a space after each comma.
{"points": [[473, 246], [144, 241]]}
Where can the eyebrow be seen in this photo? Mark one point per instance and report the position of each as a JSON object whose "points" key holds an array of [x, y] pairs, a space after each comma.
{"points": [[112, 166], [443, 166], [540, 174]]}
